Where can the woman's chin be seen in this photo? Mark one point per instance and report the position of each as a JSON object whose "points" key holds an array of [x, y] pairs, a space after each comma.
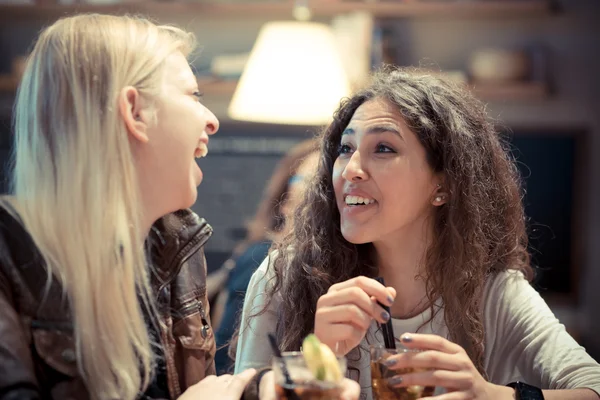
{"points": [[188, 199], [355, 236]]}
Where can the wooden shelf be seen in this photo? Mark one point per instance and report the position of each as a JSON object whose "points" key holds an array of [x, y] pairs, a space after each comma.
{"points": [[283, 8], [217, 87], [518, 91], [209, 86], [521, 91]]}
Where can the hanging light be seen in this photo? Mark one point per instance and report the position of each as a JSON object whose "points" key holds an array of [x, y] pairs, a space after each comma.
{"points": [[294, 75]]}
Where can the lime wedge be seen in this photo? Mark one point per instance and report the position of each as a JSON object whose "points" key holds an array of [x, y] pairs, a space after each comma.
{"points": [[320, 360]]}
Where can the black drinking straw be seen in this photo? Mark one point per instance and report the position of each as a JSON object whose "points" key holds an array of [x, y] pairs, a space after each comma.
{"points": [[387, 329], [290, 394]]}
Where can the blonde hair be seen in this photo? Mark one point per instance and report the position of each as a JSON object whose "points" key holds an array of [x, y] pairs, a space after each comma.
{"points": [[76, 188]]}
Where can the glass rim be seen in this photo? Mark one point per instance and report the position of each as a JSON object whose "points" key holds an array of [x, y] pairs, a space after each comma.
{"points": [[285, 354], [299, 354], [402, 348]]}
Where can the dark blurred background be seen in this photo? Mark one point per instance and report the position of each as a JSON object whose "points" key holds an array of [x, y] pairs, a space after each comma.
{"points": [[549, 107]]}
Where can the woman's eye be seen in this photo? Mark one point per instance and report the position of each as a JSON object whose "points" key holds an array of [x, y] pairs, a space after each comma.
{"points": [[382, 148], [198, 95], [344, 149]]}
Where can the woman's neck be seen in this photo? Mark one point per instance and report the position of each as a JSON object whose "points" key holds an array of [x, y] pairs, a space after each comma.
{"points": [[401, 263], [147, 220]]}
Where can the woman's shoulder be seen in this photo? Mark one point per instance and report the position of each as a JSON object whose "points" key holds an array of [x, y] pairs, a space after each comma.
{"points": [[8, 212], [507, 292], [273, 260], [268, 274], [253, 255], [266, 269], [21, 264], [181, 226], [245, 266], [508, 279], [15, 241]]}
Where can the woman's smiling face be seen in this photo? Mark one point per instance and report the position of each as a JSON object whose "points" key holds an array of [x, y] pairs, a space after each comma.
{"points": [[384, 186]]}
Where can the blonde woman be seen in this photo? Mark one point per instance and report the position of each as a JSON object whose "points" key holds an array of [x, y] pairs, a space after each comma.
{"points": [[102, 279]]}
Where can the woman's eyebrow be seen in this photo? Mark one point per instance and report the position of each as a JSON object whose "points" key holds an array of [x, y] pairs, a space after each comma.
{"points": [[376, 130]]}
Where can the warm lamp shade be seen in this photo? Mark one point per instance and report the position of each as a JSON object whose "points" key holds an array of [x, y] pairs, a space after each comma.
{"points": [[294, 75]]}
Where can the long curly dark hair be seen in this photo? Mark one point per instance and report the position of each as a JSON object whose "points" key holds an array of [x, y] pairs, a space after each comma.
{"points": [[480, 231]]}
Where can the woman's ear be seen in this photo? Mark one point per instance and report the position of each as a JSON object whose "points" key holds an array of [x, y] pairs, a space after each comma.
{"points": [[131, 107], [440, 196]]}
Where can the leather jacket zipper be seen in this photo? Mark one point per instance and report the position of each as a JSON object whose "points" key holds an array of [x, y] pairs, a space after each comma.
{"points": [[197, 305], [205, 325]]}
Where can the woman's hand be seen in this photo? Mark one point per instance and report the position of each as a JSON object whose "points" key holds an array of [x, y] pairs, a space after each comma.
{"points": [[345, 312], [445, 365], [350, 389], [224, 387]]}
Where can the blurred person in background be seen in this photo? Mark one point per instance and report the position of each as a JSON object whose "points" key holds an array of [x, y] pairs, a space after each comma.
{"points": [[272, 221]]}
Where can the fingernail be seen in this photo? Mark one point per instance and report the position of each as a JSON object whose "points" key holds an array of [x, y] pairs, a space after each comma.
{"points": [[389, 362], [390, 300], [385, 315], [395, 380], [406, 338]]}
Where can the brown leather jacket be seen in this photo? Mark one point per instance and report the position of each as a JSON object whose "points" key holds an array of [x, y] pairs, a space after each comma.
{"points": [[37, 354]]}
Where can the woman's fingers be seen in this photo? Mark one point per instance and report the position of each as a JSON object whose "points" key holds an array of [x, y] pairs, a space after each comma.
{"points": [[224, 387], [354, 296], [339, 333], [429, 359], [346, 314], [450, 396], [238, 383], [441, 363], [429, 342], [370, 286], [211, 378], [452, 380], [346, 311], [350, 390]]}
